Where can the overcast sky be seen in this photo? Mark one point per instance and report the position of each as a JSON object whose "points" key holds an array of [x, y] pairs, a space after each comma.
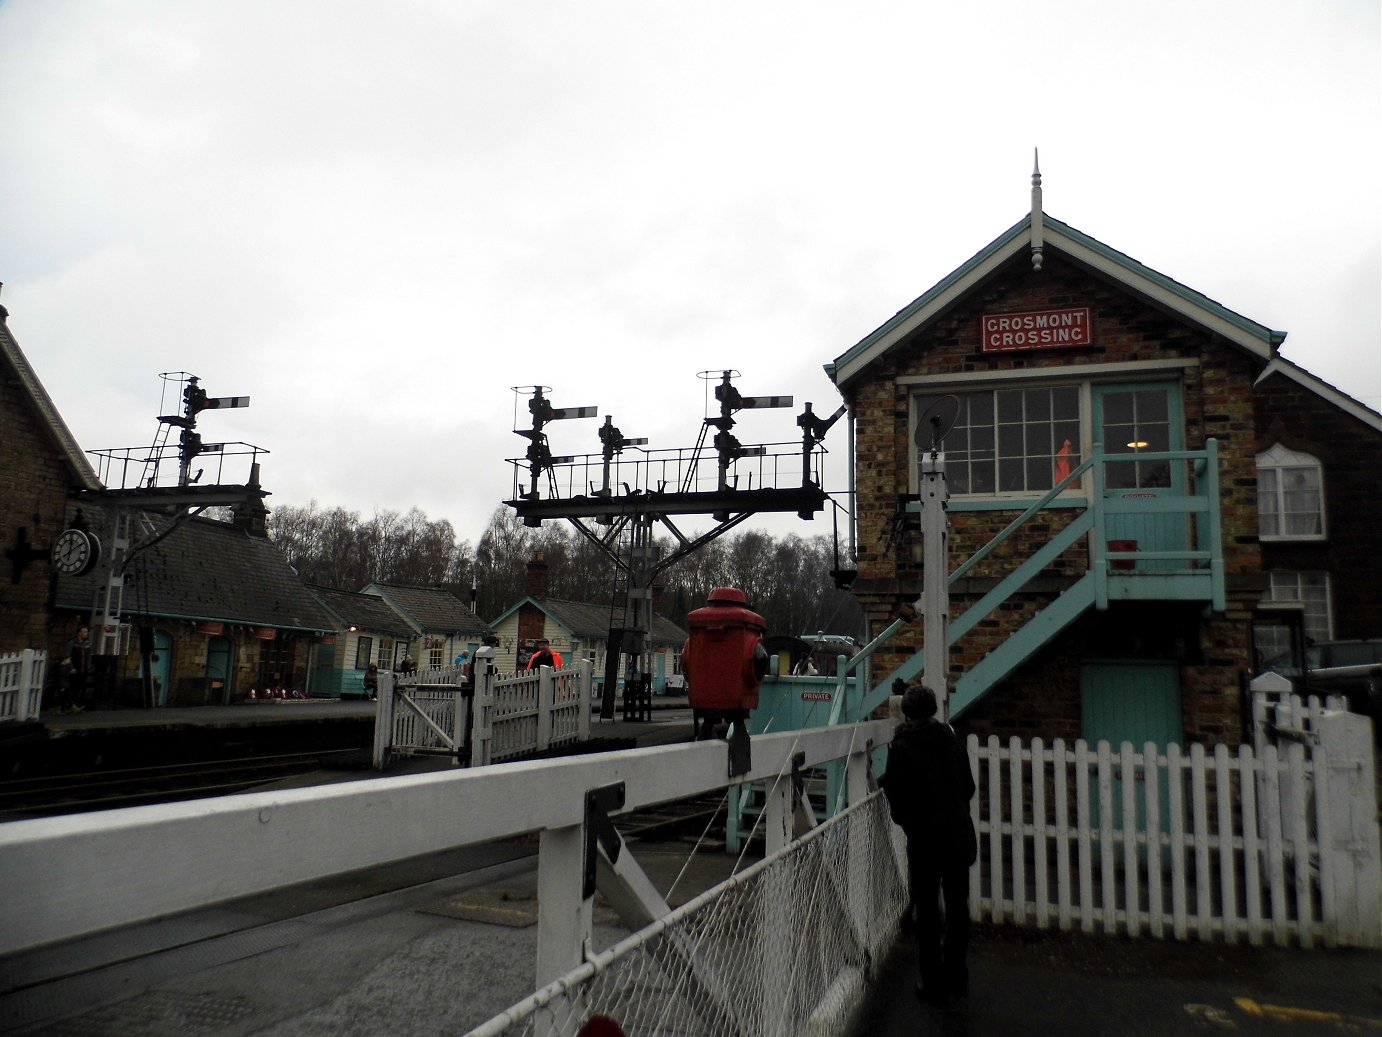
{"points": [[374, 219]]}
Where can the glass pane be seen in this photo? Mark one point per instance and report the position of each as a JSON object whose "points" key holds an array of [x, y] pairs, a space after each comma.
{"points": [[1301, 525], [981, 477], [980, 408], [1038, 473], [1152, 406], [1065, 404], [1038, 405], [1009, 406], [1118, 408], [1039, 440], [1154, 473], [981, 442], [1120, 475], [1010, 474], [1009, 441], [1119, 439]]}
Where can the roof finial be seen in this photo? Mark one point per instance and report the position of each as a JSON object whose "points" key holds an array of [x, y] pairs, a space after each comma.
{"points": [[1036, 211]]}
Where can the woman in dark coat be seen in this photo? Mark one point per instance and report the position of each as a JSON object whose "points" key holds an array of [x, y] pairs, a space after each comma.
{"points": [[929, 785]]}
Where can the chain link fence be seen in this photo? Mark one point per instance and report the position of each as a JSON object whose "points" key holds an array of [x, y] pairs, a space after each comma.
{"points": [[783, 947]]}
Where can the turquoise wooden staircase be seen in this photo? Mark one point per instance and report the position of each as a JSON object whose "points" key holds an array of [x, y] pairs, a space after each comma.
{"points": [[1192, 572]]}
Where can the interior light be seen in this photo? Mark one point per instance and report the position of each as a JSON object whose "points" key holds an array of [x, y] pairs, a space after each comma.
{"points": [[1139, 444]]}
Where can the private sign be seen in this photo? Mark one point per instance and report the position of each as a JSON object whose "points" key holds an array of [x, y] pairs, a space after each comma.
{"points": [[1039, 329]]}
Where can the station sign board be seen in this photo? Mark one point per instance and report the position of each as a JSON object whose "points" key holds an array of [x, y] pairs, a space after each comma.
{"points": [[1036, 329]]}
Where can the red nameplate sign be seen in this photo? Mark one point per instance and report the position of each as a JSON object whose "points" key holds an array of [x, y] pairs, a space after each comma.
{"points": [[1039, 329]]}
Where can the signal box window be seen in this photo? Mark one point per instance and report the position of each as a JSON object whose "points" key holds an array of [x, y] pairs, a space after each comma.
{"points": [[1011, 440], [362, 652]]}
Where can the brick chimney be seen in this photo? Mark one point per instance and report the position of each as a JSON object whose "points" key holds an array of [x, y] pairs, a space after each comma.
{"points": [[252, 516], [537, 577]]}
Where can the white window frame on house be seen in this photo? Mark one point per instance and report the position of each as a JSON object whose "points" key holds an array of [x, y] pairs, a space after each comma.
{"points": [[1290, 495], [1009, 440], [1311, 590], [1039, 460], [436, 658]]}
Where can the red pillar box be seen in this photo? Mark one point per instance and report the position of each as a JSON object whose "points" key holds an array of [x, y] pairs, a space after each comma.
{"points": [[724, 655]]}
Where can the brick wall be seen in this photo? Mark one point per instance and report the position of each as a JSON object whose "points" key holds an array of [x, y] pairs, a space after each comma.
{"points": [[34, 480]]}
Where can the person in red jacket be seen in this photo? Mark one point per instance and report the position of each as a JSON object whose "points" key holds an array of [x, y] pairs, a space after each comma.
{"points": [[545, 655]]}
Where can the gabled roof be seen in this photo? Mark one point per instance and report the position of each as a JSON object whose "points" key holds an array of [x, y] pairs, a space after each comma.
{"points": [[367, 612], [591, 622], [200, 569], [1280, 365], [430, 610], [1080, 248], [13, 358]]}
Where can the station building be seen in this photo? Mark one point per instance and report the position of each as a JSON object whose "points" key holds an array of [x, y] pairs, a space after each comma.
{"points": [[1195, 494]]}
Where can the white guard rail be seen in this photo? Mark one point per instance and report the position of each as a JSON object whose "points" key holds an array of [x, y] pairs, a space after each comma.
{"points": [[214, 850]]}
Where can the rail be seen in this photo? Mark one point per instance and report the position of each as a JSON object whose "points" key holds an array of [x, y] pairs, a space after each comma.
{"points": [[218, 849]]}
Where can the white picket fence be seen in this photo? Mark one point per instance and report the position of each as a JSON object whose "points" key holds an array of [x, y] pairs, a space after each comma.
{"points": [[21, 684], [1276, 846], [512, 716]]}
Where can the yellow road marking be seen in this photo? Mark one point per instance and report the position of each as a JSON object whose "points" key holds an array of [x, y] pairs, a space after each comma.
{"points": [[1287, 1014]]}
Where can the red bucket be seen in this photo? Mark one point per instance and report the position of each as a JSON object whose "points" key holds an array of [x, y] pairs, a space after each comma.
{"points": [[1122, 545]]}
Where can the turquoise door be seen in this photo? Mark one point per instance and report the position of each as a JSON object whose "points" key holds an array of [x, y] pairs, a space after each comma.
{"points": [[161, 665], [1135, 702], [219, 651], [1140, 419]]}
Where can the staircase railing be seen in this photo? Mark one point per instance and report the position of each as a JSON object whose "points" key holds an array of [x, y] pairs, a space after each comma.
{"points": [[1203, 558]]}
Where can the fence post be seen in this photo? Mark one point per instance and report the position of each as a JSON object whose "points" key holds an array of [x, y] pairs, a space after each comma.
{"points": [[26, 679], [481, 733], [585, 689], [458, 712], [383, 720], [546, 696], [1353, 857]]}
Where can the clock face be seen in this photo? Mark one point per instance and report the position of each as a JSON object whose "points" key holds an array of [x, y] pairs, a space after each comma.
{"points": [[75, 552]]}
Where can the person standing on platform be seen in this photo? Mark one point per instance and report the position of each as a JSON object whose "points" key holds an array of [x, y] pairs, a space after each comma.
{"points": [[929, 785], [372, 681], [77, 668]]}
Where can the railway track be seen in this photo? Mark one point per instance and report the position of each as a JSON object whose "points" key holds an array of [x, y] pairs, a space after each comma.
{"points": [[53, 795]]}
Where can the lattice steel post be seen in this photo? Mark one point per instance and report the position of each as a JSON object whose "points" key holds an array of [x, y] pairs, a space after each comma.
{"points": [[935, 580]]}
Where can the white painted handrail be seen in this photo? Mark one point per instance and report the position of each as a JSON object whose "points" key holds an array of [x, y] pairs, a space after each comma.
{"points": [[178, 856]]}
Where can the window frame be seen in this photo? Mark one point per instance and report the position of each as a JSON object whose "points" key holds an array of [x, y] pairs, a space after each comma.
{"points": [[1322, 601], [1279, 459], [364, 649]]}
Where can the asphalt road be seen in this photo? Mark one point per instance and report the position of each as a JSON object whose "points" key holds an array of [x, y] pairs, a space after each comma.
{"points": [[1036, 983]]}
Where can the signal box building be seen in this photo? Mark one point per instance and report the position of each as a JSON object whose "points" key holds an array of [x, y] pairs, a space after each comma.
{"points": [[1101, 428]]}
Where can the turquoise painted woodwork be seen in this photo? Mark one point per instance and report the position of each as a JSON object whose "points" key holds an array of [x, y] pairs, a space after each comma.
{"points": [[219, 652], [1136, 702], [161, 667], [1131, 422], [1169, 566]]}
